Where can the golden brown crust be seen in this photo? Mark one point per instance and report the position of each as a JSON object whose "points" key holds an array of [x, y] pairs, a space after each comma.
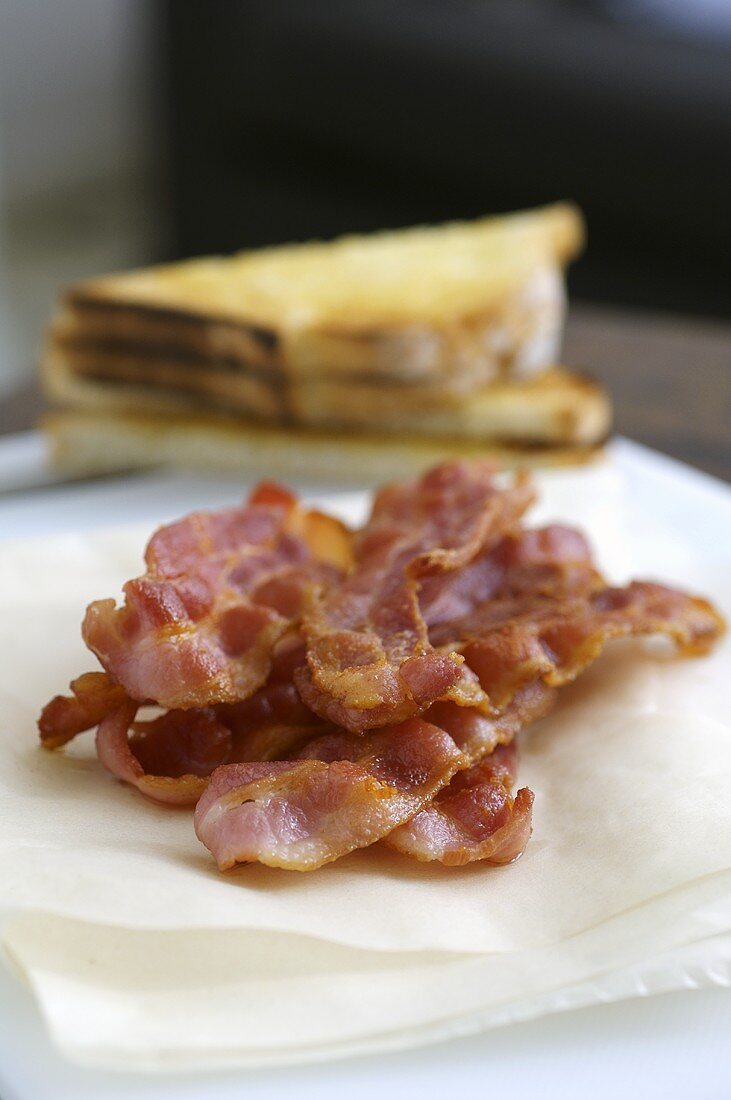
{"points": [[118, 380], [556, 406], [383, 280], [88, 321], [513, 334]]}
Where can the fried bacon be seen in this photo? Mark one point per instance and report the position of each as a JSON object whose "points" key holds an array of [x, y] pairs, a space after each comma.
{"points": [[474, 818], [369, 658], [273, 725], [168, 759], [345, 792], [514, 641], [220, 589], [477, 734], [554, 561], [94, 696], [327, 692], [355, 788]]}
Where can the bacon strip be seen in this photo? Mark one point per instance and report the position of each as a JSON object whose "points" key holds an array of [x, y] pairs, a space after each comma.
{"points": [[369, 658], [554, 561], [168, 759], [302, 744], [477, 735], [184, 745], [345, 792], [220, 589], [94, 696], [514, 641], [521, 646], [474, 818], [273, 725]]}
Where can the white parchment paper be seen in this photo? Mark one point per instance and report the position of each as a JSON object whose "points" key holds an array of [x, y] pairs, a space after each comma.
{"points": [[141, 954]]}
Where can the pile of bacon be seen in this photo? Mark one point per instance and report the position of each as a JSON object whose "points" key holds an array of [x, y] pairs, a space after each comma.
{"points": [[323, 690]]}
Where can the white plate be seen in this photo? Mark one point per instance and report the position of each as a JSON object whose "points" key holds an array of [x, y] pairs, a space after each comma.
{"points": [[665, 1047]]}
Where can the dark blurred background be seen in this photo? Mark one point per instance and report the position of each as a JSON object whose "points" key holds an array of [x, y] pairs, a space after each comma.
{"points": [[291, 120], [138, 130]]}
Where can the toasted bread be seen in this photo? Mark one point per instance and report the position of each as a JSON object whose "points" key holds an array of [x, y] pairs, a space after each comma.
{"points": [[91, 443], [408, 370], [418, 342], [557, 407], [390, 279], [450, 305], [515, 337], [88, 378]]}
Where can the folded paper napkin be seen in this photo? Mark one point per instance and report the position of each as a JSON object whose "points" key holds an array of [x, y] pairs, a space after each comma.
{"points": [[142, 955]]}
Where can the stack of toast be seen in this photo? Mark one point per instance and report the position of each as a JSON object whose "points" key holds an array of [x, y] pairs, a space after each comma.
{"points": [[343, 360]]}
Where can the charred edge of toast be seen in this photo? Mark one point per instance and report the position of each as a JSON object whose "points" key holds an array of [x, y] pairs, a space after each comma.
{"points": [[193, 394], [175, 354], [272, 375], [80, 299]]}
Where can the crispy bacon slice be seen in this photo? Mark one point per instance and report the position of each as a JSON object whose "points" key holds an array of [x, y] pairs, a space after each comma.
{"points": [[474, 818], [220, 589], [514, 641], [273, 725], [477, 735], [168, 759], [387, 712], [180, 745], [554, 561], [345, 792], [94, 696], [369, 658]]}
